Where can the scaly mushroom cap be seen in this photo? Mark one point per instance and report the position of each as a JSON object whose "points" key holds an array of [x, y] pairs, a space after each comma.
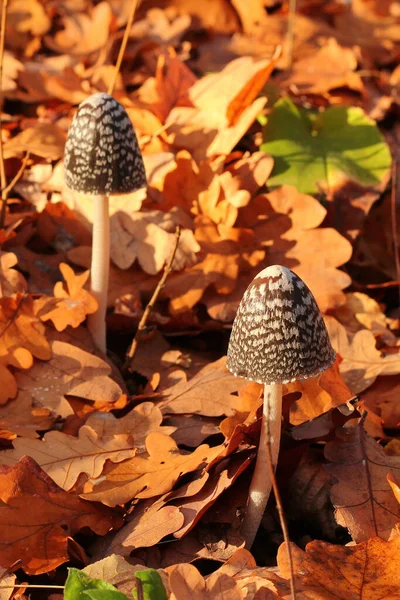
{"points": [[102, 154], [278, 334]]}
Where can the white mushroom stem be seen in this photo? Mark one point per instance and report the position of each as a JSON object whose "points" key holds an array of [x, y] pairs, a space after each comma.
{"points": [[100, 269], [261, 483]]}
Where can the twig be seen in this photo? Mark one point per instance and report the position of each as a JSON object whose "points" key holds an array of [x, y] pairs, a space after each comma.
{"points": [[28, 585], [290, 31], [3, 181], [142, 323], [282, 518], [17, 177], [394, 221], [134, 5]]}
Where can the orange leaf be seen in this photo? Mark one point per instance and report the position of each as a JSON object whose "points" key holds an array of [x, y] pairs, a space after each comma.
{"points": [[37, 518], [75, 302], [367, 571]]}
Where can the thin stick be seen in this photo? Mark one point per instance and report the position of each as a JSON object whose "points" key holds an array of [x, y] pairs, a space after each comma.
{"points": [[282, 518], [142, 323], [394, 221], [3, 180], [18, 176], [134, 5], [28, 585], [290, 31]]}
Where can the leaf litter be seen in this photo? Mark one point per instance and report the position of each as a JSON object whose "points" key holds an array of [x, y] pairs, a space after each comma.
{"points": [[258, 163]]}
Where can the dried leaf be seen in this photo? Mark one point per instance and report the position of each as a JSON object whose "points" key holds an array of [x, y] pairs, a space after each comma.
{"points": [[64, 457], [361, 361], [367, 571], [45, 140], [75, 302], [70, 371], [146, 477], [37, 518], [363, 498]]}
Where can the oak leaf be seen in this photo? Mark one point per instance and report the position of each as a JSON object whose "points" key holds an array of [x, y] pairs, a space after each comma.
{"points": [[366, 571], [148, 524], [11, 281], [71, 302], [44, 139], [20, 418], [151, 475], [225, 105], [70, 371], [37, 518], [208, 393], [64, 457], [138, 423], [363, 499], [318, 395], [224, 252], [185, 582], [361, 361]]}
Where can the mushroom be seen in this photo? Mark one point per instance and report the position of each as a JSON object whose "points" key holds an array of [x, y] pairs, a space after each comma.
{"points": [[102, 157], [278, 336]]}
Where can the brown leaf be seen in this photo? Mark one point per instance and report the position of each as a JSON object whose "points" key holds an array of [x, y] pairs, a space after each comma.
{"points": [[232, 94], [146, 477], [148, 524], [367, 571], [83, 33], [45, 140], [11, 281], [186, 582], [138, 423], [361, 361], [363, 498], [70, 371], [333, 66], [59, 226], [209, 393], [318, 395], [64, 457], [37, 518], [71, 303], [20, 418]]}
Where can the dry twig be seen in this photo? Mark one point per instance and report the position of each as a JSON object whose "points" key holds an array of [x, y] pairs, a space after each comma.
{"points": [[134, 5], [142, 323]]}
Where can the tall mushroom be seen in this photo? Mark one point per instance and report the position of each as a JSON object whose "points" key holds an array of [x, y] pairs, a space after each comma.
{"points": [[102, 157], [278, 336]]}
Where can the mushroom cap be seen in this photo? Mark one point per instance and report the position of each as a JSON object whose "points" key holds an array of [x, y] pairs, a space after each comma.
{"points": [[102, 154], [278, 334]]}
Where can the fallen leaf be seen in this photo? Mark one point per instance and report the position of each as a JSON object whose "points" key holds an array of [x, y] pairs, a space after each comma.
{"points": [[20, 418], [44, 140], [11, 281], [70, 371], [363, 499], [318, 395], [198, 395], [83, 33], [185, 582], [64, 457], [361, 361], [71, 302], [367, 571], [38, 517], [146, 477]]}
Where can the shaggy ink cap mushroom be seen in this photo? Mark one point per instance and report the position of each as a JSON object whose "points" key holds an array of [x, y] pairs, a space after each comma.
{"points": [[278, 334], [102, 154]]}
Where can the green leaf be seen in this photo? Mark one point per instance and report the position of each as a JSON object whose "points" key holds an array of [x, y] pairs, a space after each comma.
{"points": [[152, 585], [323, 151], [80, 586]]}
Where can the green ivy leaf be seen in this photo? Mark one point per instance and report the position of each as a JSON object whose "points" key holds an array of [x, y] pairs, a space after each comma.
{"points": [[321, 152], [80, 586], [152, 585]]}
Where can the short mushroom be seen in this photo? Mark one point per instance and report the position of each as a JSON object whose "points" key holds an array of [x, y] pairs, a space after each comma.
{"points": [[278, 336], [102, 157]]}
